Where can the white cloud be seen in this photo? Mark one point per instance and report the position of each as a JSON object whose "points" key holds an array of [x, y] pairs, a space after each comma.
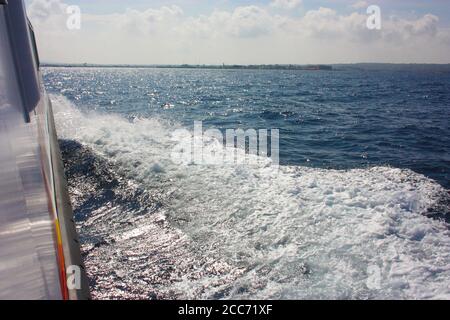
{"points": [[250, 21], [49, 14], [42, 10], [400, 30], [360, 5], [150, 21], [247, 34], [286, 4]]}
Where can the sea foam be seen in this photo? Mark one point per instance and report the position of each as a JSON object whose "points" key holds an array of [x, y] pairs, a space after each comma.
{"points": [[297, 232]]}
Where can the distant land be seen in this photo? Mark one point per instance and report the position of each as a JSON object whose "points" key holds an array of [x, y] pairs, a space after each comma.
{"points": [[309, 67], [315, 67]]}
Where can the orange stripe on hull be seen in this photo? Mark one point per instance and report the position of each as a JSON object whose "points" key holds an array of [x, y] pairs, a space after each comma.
{"points": [[61, 263], [59, 246]]}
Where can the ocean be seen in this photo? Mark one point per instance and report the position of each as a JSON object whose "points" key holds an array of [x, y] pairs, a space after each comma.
{"points": [[358, 207]]}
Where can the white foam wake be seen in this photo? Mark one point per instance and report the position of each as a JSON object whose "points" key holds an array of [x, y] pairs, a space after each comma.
{"points": [[299, 232]]}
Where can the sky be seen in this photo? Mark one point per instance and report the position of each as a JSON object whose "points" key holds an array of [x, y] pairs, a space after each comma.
{"points": [[240, 31]]}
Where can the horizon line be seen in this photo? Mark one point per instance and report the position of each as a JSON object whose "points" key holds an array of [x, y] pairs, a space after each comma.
{"points": [[237, 64]]}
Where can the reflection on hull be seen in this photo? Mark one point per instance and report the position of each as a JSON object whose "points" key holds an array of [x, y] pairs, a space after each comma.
{"points": [[38, 242]]}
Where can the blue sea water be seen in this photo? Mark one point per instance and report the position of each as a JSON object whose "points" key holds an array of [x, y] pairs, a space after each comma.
{"points": [[341, 119], [357, 210]]}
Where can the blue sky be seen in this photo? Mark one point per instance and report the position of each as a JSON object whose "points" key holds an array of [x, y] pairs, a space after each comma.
{"points": [[242, 31], [193, 7]]}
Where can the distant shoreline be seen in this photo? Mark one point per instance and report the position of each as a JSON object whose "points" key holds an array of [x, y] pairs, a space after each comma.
{"points": [[316, 67], [309, 67]]}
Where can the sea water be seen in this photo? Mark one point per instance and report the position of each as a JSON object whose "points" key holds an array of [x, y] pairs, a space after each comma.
{"points": [[357, 209]]}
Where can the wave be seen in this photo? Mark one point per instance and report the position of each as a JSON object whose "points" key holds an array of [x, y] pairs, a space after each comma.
{"points": [[245, 232]]}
